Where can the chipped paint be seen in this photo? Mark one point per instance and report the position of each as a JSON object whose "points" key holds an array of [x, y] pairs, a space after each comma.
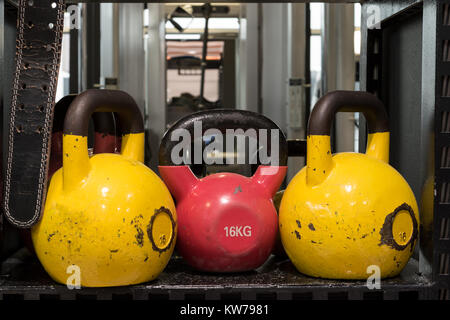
{"points": [[387, 236], [161, 245]]}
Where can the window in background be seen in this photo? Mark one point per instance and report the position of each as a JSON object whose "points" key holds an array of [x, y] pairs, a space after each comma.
{"points": [[188, 81], [183, 44]]}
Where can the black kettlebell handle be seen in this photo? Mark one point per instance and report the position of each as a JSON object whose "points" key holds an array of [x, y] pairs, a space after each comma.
{"points": [[94, 100], [76, 161], [222, 119], [103, 121], [61, 108], [325, 109]]}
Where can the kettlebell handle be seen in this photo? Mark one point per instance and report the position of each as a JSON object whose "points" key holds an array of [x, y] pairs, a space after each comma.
{"points": [[61, 108], [326, 108], [76, 164], [319, 158], [180, 178], [222, 120], [104, 122], [94, 100]]}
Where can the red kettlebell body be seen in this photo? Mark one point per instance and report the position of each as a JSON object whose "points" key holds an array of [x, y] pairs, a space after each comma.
{"points": [[107, 135], [227, 222]]}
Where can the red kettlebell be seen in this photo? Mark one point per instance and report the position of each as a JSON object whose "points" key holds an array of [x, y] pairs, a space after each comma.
{"points": [[107, 135], [227, 222], [106, 140]]}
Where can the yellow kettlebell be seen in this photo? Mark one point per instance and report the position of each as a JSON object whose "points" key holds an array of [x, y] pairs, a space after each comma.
{"points": [[108, 220], [348, 215]]}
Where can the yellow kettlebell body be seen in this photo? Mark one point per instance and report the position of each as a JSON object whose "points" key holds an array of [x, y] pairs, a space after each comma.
{"points": [[343, 214], [108, 218]]}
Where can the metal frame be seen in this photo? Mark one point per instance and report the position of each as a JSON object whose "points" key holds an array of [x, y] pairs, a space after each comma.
{"points": [[277, 280], [441, 246], [433, 107]]}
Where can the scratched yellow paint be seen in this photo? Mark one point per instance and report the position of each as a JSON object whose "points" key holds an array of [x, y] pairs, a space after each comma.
{"points": [[334, 210], [108, 214]]}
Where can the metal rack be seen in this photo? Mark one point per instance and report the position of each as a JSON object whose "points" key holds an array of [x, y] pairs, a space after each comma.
{"points": [[441, 241], [23, 278], [397, 55], [426, 277]]}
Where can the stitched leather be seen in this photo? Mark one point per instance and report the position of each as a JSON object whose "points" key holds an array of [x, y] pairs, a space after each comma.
{"points": [[39, 35]]}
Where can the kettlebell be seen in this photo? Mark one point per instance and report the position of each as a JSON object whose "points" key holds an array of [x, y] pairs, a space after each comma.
{"points": [[227, 221], [107, 218], [345, 215]]}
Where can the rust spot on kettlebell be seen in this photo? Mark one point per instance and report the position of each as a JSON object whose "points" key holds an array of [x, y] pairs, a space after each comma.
{"points": [[297, 234], [387, 236], [298, 224], [168, 242], [311, 226], [139, 236], [50, 236]]}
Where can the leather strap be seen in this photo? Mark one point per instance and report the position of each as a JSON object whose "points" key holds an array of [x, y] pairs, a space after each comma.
{"points": [[39, 34]]}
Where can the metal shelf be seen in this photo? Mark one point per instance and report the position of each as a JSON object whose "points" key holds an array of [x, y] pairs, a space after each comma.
{"points": [[22, 277]]}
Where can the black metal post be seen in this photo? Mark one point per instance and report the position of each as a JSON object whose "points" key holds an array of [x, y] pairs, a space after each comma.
{"points": [[207, 14], [92, 43], [307, 64]]}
